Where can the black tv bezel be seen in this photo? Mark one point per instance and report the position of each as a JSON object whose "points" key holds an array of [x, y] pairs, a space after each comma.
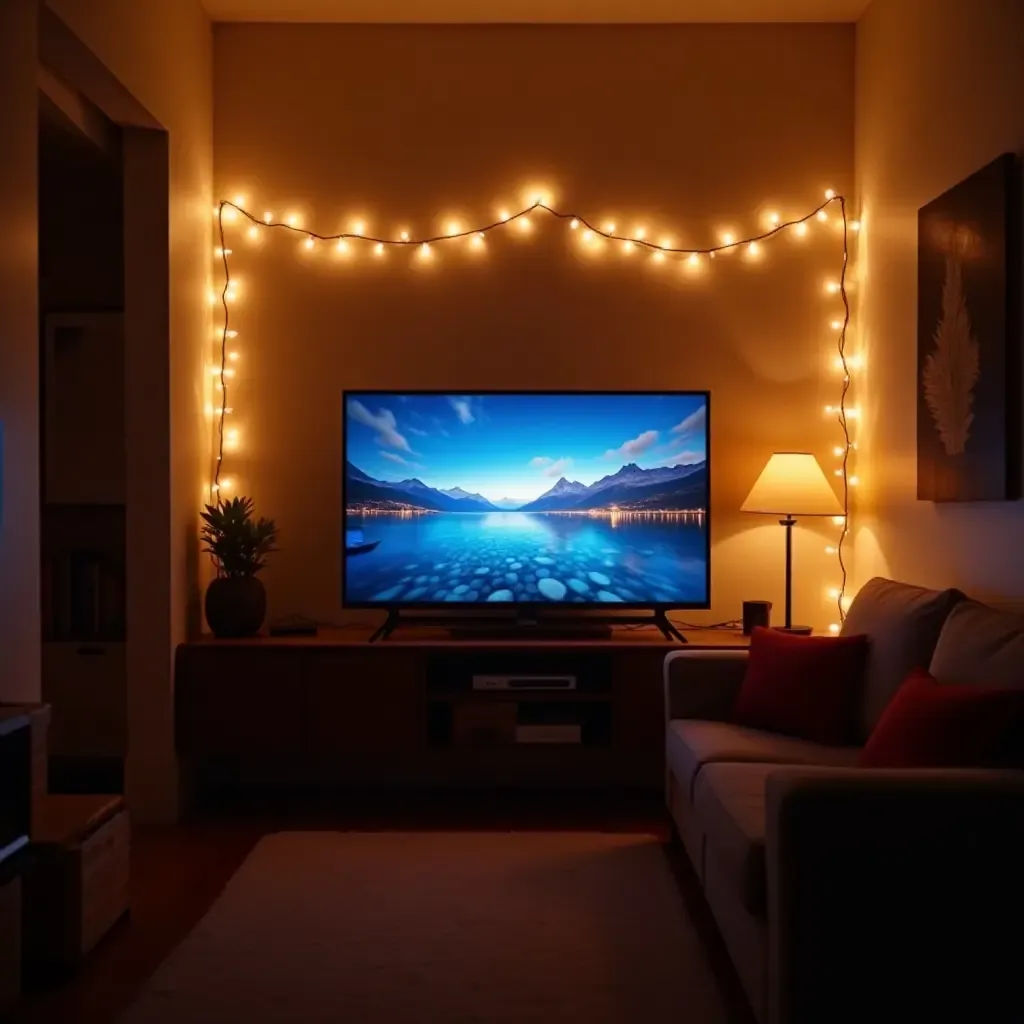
{"points": [[549, 607]]}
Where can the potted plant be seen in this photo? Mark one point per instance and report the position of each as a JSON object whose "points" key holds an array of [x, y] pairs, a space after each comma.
{"points": [[236, 602]]}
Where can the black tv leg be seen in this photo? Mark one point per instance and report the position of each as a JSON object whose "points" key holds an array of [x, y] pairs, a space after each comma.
{"points": [[387, 627], [671, 633]]}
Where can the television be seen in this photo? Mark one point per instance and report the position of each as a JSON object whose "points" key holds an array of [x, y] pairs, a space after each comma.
{"points": [[574, 500]]}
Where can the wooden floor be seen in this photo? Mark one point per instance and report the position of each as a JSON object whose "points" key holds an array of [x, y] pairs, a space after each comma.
{"points": [[177, 873]]}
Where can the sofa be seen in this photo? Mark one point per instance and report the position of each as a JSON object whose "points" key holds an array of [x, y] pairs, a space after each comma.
{"points": [[845, 893]]}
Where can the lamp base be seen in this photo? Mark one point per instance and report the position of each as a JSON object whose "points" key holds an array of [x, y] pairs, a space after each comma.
{"points": [[795, 630]]}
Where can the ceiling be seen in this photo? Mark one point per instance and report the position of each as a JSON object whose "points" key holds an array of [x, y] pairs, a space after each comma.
{"points": [[536, 11]]}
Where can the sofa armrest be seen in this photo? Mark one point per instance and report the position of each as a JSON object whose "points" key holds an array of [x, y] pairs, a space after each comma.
{"points": [[895, 889], [703, 684]]}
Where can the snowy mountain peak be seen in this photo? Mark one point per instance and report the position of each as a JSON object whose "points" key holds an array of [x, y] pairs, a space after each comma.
{"points": [[567, 487]]}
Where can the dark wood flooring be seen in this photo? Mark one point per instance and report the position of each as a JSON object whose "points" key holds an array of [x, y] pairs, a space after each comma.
{"points": [[178, 871]]}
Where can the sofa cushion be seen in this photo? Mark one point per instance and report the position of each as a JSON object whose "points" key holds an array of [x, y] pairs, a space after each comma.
{"points": [[902, 624], [805, 686], [981, 646], [729, 800], [929, 724], [691, 743]]}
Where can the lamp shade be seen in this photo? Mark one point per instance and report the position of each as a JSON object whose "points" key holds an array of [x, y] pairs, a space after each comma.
{"points": [[792, 483]]}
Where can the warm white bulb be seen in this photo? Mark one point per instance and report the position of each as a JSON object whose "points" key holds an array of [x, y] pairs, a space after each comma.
{"points": [[838, 451], [832, 287], [833, 628], [830, 550], [728, 238], [504, 215], [425, 250], [378, 249], [477, 242], [588, 235], [774, 219], [658, 257], [609, 228], [833, 593], [231, 334], [268, 217], [293, 220], [230, 213], [839, 520], [453, 228], [852, 413], [254, 232], [829, 194], [854, 480], [855, 225], [639, 233], [225, 484], [822, 215], [837, 325], [310, 243], [359, 228], [574, 223], [524, 223], [829, 410], [627, 247], [405, 236], [801, 229], [239, 200], [233, 356], [753, 249], [343, 246], [694, 260], [837, 472], [538, 200]]}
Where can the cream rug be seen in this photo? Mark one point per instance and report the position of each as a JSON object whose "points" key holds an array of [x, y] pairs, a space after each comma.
{"points": [[489, 928]]}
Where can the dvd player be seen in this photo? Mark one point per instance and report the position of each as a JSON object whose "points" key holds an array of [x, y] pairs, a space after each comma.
{"points": [[523, 682]]}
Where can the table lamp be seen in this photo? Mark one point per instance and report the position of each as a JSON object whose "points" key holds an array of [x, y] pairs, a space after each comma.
{"points": [[792, 484]]}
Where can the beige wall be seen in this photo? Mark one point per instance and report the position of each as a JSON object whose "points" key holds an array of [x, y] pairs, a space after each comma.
{"points": [[689, 130], [939, 88], [19, 357], [160, 51]]}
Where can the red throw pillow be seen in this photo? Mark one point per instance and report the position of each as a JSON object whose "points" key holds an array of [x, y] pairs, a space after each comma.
{"points": [[929, 724], [805, 686]]}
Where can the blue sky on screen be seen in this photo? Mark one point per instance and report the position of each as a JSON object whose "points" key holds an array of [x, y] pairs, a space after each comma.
{"points": [[518, 445]]}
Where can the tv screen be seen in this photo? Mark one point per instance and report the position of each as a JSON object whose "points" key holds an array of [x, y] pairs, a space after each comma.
{"points": [[532, 498]]}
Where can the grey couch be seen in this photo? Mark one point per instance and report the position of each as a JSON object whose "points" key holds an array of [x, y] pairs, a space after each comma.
{"points": [[851, 894]]}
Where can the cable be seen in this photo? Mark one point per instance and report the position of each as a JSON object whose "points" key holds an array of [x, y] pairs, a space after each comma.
{"points": [[575, 222]]}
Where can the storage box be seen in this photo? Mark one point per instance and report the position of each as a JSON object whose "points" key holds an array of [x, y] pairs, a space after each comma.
{"points": [[483, 722], [78, 887]]}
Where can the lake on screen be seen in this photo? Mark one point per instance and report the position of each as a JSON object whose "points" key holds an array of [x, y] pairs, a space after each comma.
{"points": [[630, 558]]}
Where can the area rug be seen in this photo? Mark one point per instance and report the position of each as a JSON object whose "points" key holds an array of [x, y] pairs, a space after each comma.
{"points": [[488, 928]]}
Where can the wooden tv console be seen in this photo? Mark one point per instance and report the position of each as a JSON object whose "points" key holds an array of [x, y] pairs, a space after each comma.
{"points": [[336, 711]]}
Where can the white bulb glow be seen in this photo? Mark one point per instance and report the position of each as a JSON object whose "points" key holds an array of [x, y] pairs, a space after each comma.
{"points": [[694, 260], [639, 233], [477, 241], [831, 287], [254, 232], [839, 520], [728, 238], [310, 243], [609, 228], [822, 215], [292, 220], [524, 224], [833, 628], [503, 216], [574, 223], [628, 247], [588, 235], [405, 236], [239, 200], [231, 334], [774, 219], [268, 217], [233, 356], [838, 451], [343, 246], [453, 228], [359, 228], [753, 249], [837, 325], [801, 229], [855, 225], [854, 481], [829, 194], [658, 257], [425, 251], [378, 249], [830, 550], [833, 593]]}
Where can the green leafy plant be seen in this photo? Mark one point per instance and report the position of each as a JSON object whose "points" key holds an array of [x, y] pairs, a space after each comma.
{"points": [[238, 542]]}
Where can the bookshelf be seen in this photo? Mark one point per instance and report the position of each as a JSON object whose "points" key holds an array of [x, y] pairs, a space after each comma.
{"points": [[83, 535]]}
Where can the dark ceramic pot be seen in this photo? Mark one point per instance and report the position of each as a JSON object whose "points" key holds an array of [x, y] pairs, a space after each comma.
{"points": [[235, 607]]}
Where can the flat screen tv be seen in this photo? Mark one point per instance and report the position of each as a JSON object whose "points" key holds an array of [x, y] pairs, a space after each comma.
{"points": [[576, 500]]}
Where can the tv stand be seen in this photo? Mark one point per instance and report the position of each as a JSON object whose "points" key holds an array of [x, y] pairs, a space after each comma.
{"points": [[530, 626]]}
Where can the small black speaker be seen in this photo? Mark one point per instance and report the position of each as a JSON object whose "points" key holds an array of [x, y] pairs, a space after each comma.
{"points": [[756, 613]]}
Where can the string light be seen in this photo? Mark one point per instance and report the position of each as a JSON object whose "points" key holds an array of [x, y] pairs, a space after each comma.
{"points": [[690, 259]]}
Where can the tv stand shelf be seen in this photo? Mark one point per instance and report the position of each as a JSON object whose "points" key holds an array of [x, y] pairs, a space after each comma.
{"points": [[336, 711]]}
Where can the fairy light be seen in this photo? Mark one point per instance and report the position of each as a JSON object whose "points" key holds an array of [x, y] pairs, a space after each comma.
{"points": [[691, 258]]}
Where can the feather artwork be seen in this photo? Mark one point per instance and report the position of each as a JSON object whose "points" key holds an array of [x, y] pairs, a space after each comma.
{"points": [[952, 367]]}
